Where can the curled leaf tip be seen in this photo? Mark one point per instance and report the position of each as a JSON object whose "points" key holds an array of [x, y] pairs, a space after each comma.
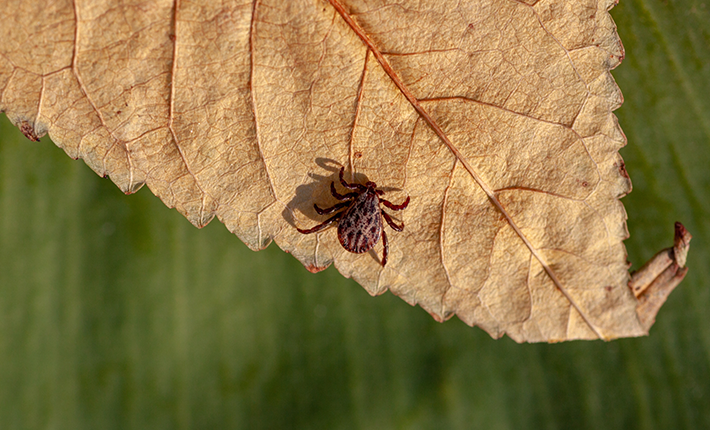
{"points": [[655, 280]]}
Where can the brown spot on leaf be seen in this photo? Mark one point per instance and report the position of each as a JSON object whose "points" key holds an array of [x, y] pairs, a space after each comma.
{"points": [[315, 269], [28, 130], [622, 170]]}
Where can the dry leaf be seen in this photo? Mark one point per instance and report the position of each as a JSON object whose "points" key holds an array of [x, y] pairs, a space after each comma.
{"points": [[495, 117]]}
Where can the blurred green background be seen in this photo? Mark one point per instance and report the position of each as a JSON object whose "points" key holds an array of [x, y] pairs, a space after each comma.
{"points": [[116, 313]]}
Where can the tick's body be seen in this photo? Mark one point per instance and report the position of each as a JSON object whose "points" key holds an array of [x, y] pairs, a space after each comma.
{"points": [[360, 225]]}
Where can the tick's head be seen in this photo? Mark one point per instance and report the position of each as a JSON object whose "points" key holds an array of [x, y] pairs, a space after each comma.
{"points": [[371, 185]]}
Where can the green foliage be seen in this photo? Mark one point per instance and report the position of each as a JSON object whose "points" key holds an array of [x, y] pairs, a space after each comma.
{"points": [[116, 313]]}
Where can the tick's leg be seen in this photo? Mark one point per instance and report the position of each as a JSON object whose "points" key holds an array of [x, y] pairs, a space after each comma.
{"points": [[322, 226], [395, 207], [330, 210], [341, 197], [391, 222], [386, 249], [350, 186]]}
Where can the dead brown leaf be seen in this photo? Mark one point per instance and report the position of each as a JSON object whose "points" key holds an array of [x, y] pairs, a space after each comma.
{"points": [[495, 117]]}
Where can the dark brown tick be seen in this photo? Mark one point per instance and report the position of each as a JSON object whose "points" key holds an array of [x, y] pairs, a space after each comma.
{"points": [[360, 224]]}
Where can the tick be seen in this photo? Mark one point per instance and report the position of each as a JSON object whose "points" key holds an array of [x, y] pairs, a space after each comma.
{"points": [[360, 224]]}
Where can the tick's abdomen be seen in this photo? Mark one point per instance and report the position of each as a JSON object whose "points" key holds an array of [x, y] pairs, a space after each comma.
{"points": [[360, 227]]}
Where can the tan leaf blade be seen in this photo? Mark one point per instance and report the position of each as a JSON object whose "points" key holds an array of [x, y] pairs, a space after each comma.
{"points": [[495, 117]]}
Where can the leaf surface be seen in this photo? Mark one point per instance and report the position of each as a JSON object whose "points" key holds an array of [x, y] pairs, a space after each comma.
{"points": [[494, 117]]}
